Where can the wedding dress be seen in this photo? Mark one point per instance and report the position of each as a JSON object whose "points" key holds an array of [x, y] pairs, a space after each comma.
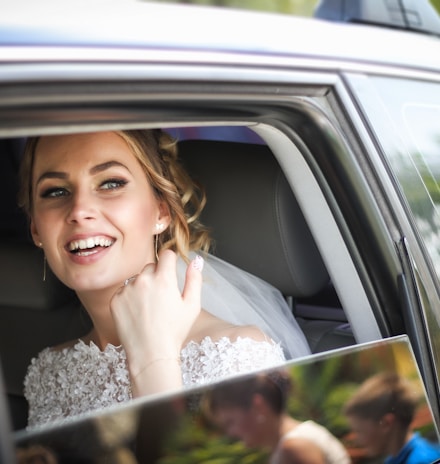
{"points": [[63, 383], [75, 380], [332, 449]]}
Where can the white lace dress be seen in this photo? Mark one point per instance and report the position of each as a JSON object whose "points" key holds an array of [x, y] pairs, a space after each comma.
{"points": [[75, 380]]}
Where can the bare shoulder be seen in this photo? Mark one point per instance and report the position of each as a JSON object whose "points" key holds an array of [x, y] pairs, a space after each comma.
{"points": [[211, 326], [302, 451]]}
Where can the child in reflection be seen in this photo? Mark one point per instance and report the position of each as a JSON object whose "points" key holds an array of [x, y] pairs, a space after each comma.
{"points": [[253, 409], [381, 412]]}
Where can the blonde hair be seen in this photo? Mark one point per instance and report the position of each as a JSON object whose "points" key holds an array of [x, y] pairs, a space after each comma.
{"points": [[383, 394], [156, 152]]}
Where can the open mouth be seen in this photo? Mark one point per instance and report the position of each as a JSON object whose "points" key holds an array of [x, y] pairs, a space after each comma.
{"points": [[88, 246]]}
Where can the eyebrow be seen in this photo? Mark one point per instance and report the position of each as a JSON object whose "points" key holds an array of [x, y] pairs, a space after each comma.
{"points": [[94, 170]]}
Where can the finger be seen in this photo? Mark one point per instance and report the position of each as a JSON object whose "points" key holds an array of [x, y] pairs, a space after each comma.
{"points": [[193, 283], [148, 269], [166, 267]]}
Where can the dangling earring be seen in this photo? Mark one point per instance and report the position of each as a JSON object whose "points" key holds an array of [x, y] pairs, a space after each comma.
{"points": [[159, 227], [40, 244], [156, 239], [44, 268]]}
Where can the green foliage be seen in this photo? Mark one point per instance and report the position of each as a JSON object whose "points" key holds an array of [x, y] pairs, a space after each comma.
{"points": [[297, 7], [194, 442], [436, 5]]}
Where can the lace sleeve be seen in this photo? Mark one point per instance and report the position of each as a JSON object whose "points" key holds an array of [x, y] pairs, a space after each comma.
{"points": [[38, 392], [74, 381], [210, 361]]}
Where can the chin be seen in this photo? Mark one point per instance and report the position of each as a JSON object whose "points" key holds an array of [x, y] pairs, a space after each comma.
{"points": [[85, 284]]}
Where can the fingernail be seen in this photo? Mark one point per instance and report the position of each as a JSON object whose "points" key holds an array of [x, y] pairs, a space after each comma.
{"points": [[197, 263]]}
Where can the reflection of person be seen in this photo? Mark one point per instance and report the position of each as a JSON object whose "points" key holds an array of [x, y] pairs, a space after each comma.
{"points": [[380, 413], [112, 211], [253, 410]]}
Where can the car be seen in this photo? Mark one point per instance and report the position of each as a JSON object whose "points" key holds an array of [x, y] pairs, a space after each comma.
{"points": [[318, 140]]}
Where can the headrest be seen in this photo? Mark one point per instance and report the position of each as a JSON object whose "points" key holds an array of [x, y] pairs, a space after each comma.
{"points": [[21, 279], [255, 219]]}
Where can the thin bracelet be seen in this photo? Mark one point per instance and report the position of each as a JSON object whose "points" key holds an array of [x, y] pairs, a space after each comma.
{"points": [[153, 362]]}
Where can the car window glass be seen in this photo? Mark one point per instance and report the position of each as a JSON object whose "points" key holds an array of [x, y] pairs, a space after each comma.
{"points": [[210, 424], [408, 125]]}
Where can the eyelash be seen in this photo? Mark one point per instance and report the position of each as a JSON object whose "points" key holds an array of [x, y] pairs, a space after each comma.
{"points": [[117, 182], [57, 192], [54, 192]]}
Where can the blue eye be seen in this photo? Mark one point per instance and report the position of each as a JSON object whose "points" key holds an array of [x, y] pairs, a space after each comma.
{"points": [[113, 184]]}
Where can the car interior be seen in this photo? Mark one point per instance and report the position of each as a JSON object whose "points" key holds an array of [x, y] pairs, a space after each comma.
{"points": [[256, 224]]}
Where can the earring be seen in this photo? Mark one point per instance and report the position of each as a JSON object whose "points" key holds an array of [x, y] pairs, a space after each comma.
{"points": [[156, 239], [44, 268], [159, 227]]}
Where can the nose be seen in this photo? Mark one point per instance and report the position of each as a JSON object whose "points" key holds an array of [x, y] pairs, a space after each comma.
{"points": [[82, 207]]}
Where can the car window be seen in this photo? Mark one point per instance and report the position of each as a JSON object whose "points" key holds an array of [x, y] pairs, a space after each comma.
{"points": [[405, 115], [408, 125]]}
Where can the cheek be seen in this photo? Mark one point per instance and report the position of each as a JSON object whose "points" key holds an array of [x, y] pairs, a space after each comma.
{"points": [[142, 214], [44, 227]]}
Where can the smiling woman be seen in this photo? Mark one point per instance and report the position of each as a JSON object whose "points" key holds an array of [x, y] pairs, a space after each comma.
{"points": [[114, 212]]}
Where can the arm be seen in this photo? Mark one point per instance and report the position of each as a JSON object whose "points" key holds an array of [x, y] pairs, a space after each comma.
{"points": [[153, 320]]}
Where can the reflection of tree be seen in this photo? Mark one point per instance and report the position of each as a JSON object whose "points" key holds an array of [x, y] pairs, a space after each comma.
{"points": [[321, 388], [195, 441]]}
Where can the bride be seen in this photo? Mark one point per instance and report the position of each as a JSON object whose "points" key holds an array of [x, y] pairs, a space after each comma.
{"points": [[117, 218]]}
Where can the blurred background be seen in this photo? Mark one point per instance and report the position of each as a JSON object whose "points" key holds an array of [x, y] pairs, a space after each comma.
{"points": [[294, 7]]}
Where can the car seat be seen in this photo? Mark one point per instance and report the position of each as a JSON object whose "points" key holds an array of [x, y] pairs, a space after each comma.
{"points": [[33, 315], [258, 225]]}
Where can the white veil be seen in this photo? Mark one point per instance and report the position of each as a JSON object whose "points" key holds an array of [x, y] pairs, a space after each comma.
{"points": [[241, 298]]}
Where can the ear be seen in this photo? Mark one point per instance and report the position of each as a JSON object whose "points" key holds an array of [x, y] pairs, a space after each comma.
{"points": [[387, 420], [34, 233], [163, 218], [258, 402]]}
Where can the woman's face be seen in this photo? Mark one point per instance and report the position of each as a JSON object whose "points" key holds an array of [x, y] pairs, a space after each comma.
{"points": [[242, 424], [94, 211]]}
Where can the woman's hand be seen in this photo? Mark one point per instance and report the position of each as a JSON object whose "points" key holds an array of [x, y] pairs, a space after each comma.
{"points": [[154, 318]]}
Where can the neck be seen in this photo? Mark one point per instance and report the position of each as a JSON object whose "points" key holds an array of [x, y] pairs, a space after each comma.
{"points": [[285, 425], [398, 441], [97, 305]]}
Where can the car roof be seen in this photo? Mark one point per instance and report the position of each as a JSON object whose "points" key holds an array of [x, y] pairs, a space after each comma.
{"points": [[137, 24]]}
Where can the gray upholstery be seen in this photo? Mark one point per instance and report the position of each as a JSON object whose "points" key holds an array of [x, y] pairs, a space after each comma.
{"points": [[33, 314], [21, 279], [256, 221]]}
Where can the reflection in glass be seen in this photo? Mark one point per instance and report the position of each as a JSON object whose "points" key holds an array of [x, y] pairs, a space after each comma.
{"points": [[177, 429]]}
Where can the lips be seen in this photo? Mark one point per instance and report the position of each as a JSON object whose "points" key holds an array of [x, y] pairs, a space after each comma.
{"points": [[89, 245]]}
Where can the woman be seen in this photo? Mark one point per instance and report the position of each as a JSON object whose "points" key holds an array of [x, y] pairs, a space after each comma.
{"points": [[113, 211], [253, 410]]}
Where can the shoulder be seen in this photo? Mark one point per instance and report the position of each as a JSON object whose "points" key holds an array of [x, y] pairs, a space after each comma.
{"points": [[211, 326], [300, 450]]}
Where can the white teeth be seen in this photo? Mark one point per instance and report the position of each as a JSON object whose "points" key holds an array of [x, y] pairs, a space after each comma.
{"points": [[90, 242]]}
